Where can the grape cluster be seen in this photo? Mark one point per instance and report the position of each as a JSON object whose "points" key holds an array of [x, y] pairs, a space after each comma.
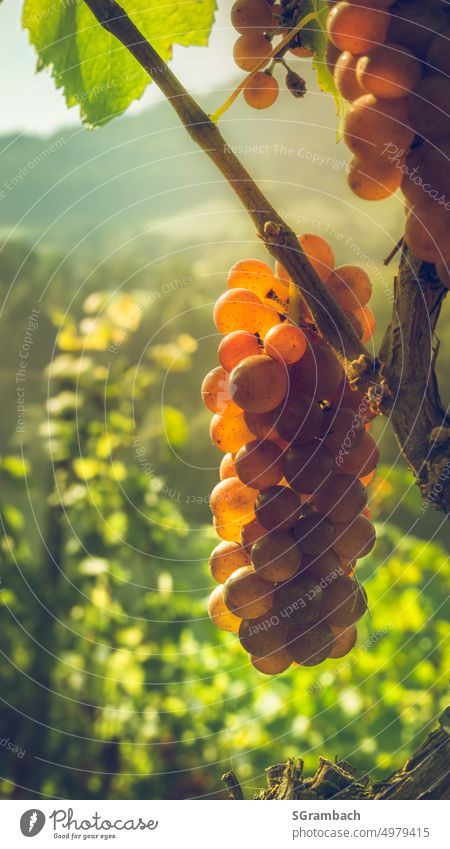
{"points": [[393, 66], [291, 505], [258, 23]]}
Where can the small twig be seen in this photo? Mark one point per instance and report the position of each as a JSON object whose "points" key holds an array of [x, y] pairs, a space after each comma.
{"points": [[393, 252], [233, 786]]}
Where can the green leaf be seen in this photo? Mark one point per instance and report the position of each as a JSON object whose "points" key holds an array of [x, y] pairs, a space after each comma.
{"points": [[92, 67]]}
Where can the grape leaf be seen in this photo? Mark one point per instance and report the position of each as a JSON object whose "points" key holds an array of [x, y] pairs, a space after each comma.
{"points": [[91, 66], [314, 36]]}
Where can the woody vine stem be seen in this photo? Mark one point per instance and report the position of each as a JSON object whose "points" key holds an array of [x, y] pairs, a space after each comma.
{"points": [[405, 367]]}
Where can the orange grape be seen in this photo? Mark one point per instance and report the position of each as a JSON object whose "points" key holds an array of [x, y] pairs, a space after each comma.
{"points": [[374, 178], [257, 277], [250, 49], [389, 71], [308, 466], [319, 253], [359, 458], [343, 501], [219, 613], [427, 231], [427, 173], [262, 425], [299, 419], [309, 646], [258, 463], [373, 125], [357, 29], [239, 309], [314, 533], [344, 602], [261, 90], [228, 531], [236, 346], [318, 373], [367, 479], [344, 640], [285, 343], [340, 427], [260, 637], [251, 532], [276, 556], [231, 499], [326, 565], [225, 559], [277, 508], [345, 76], [229, 432], [351, 286], [415, 27], [443, 272], [251, 15], [226, 468], [246, 594], [258, 384], [428, 107], [356, 539], [298, 601], [215, 392], [273, 663]]}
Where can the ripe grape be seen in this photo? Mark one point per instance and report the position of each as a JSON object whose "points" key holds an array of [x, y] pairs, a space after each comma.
{"points": [[343, 500], [229, 532], [427, 231], [309, 646], [315, 533], [415, 27], [298, 600], [219, 613], [443, 272], [343, 602], [360, 458], [318, 374], [373, 178], [276, 557], [325, 566], [215, 391], [231, 499], [257, 277], [357, 28], [438, 56], [273, 663], [225, 559], [261, 90], [373, 125], [427, 174], [351, 286], [251, 532], [258, 384], [239, 309], [236, 346], [250, 49], [251, 15], [345, 76], [344, 640], [285, 343], [226, 468], [258, 463], [277, 507], [308, 466], [389, 71], [319, 253], [262, 425], [428, 107], [299, 419], [262, 636], [341, 425], [366, 319], [229, 432], [374, 4], [354, 540], [246, 594]]}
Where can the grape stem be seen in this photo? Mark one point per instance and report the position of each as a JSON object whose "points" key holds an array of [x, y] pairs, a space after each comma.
{"points": [[279, 239]]}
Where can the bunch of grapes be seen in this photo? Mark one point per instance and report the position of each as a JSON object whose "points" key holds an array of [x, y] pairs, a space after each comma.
{"points": [[291, 505], [258, 22], [393, 67]]}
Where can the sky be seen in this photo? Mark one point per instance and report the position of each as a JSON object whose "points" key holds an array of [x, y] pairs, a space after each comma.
{"points": [[29, 102]]}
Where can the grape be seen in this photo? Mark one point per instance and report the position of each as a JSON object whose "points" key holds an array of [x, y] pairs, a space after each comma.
{"points": [[254, 15], [438, 56], [367, 513], [310, 646], [257, 277], [251, 533], [366, 319], [357, 29], [343, 602], [261, 90], [332, 54], [322, 567], [372, 178], [225, 559], [262, 425], [443, 272], [298, 601], [341, 425], [301, 52], [258, 384], [427, 173], [299, 420], [342, 501], [229, 432], [354, 540], [318, 373], [389, 71], [415, 27], [276, 557], [262, 636], [273, 663], [236, 346], [277, 507], [229, 532], [428, 107], [374, 4], [226, 468], [353, 398], [285, 343], [247, 594], [345, 76], [231, 499], [219, 614], [315, 533], [351, 286], [344, 640], [250, 49], [360, 458], [319, 253], [367, 479], [215, 392], [308, 466], [427, 231], [258, 464], [239, 309], [372, 126]]}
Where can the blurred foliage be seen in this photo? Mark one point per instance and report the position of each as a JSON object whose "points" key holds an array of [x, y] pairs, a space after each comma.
{"points": [[113, 681]]}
